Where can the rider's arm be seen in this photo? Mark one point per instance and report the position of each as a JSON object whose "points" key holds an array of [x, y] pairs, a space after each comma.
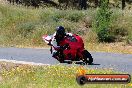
{"points": [[69, 34], [53, 42]]}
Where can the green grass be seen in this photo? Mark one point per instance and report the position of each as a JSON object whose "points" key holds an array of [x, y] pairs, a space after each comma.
{"points": [[23, 27], [27, 76]]}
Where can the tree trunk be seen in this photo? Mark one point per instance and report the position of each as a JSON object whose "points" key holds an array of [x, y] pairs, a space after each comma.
{"points": [[96, 3], [123, 4], [83, 4]]}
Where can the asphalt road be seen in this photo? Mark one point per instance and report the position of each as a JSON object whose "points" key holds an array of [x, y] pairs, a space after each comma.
{"points": [[119, 62]]}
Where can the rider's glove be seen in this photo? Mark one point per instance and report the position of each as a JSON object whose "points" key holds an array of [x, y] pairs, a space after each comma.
{"points": [[49, 43], [64, 47]]}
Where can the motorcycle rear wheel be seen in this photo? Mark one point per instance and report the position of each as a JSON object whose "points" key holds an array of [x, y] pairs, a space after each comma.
{"points": [[88, 59], [61, 60]]}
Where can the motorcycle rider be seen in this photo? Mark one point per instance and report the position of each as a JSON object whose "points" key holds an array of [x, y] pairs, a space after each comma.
{"points": [[58, 36]]}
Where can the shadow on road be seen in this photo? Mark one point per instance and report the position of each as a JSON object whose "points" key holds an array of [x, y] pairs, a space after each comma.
{"points": [[94, 64], [80, 63]]}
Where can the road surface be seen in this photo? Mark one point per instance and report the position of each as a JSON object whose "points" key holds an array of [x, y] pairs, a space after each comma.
{"points": [[119, 62]]}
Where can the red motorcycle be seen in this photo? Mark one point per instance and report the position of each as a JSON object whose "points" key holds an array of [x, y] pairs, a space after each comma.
{"points": [[73, 49]]}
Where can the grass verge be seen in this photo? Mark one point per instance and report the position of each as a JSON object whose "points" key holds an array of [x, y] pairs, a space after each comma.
{"points": [[57, 76]]}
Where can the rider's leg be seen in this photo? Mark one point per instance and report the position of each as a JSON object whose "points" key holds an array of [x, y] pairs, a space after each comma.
{"points": [[55, 54]]}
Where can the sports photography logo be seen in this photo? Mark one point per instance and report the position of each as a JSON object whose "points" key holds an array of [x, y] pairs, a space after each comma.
{"points": [[83, 78]]}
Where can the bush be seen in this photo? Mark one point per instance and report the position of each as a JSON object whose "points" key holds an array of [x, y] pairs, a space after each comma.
{"points": [[75, 16], [120, 25], [121, 31], [25, 28], [49, 16], [106, 36], [102, 22], [129, 39]]}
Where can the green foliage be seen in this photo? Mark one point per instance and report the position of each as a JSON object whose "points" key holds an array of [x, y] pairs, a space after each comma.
{"points": [[102, 23], [25, 28], [20, 25], [121, 32], [103, 16], [121, 24], [59, 15], [129, 38], [105, 36], [50, 16], [75, 16]]}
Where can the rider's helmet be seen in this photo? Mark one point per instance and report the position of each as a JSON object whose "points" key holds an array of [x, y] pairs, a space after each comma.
{"points": [[60, 31]]}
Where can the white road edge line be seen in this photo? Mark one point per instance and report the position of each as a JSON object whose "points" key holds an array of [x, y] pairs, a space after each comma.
{"points": [[23, 62]]}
